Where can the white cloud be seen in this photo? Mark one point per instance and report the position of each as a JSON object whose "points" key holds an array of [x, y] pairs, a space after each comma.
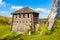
{"points": [[2, 3], [16, 7], [4, 12], [42, 10], [36, 9]]}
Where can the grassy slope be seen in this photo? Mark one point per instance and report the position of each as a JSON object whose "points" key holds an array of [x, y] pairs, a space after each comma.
{"points": [[54, 36], [5, 25], [5, 30]]}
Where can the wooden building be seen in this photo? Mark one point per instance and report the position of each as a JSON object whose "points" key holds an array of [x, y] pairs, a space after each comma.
{"points": [[43, 22], [24, 18]]}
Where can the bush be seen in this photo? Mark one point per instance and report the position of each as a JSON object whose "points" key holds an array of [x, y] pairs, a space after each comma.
{"points": [[30, 29], [48, 32], [56, 25]]}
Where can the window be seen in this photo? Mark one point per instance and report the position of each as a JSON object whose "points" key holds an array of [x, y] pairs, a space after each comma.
{"points": [[28, 15], [23, 15], [20, 21], [16, 16], [19, 15], [35, 15]]}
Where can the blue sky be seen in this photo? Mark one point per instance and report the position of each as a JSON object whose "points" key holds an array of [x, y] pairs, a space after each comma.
{"points": [[41, 6]]}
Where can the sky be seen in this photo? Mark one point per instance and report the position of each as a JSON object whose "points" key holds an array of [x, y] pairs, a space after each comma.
{"points": [[43, 7]]}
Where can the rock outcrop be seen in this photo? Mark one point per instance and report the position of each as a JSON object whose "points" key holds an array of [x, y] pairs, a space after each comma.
{"points": [[54, 14]]}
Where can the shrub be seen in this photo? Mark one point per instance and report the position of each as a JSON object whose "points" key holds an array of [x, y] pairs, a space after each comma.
{"points": [[48, 32], [30, 29]]}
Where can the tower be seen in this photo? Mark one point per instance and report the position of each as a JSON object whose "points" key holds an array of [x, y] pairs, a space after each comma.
{"points": [[54, 14], [23, 18]]}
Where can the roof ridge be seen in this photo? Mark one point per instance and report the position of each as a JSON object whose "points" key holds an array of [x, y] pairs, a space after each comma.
{"points": [[25, 10]]}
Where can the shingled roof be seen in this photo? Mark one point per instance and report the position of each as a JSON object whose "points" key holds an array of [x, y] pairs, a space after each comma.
{"points": [[24, 10]]}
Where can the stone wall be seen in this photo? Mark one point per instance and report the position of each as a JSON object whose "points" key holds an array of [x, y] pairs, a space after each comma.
{"points": [[21, 24]]}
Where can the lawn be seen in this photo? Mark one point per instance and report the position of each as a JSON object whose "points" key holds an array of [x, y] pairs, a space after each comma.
{"points": [[7, 34], [5, 31]]}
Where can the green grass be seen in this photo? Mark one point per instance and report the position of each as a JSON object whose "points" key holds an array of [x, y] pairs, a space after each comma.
{"points": [[5, 26], [55, 36], [4, 29], [7, 34]]}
